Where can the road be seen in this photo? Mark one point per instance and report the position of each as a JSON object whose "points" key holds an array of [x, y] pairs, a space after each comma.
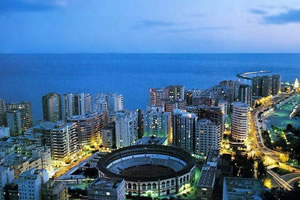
{"points": [[271, 157]]}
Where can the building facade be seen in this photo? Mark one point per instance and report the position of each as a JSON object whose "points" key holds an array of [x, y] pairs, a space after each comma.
{"points": [[126, 129], [240, 120], [184, 126], [157, 123], [276, 84], [52, 110], [107, 189], [14, 122], [61, 137], [54, 190], [208, 136], [76, 104], [30, 184], [25, 109], [88, 128], [2, 113]]}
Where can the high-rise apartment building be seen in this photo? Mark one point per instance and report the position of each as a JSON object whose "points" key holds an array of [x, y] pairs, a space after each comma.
{"points": [[276, 84], [14, 122], [2, 113], [52, 110], [229, 87], [110, 102], [115, 102], [240, 120], [263, 86], [208, 136], [25, 109], [61, 137], [157, 123], [184, 126], [109, 136], [126, 129], [99, 103], [244, 94], [256, 86], [212, 113], [76, 104], [174, 92], [88, 128], [155, 96], [171, 97], [266, 85], [140, 125]]}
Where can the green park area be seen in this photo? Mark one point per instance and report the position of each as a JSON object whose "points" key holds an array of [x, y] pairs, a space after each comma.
{"points": [[278, 120]]}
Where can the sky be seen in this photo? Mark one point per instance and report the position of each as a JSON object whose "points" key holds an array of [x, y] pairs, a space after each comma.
{"points": [[149, 26]]}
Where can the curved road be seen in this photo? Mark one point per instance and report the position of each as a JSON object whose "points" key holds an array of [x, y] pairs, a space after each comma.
{"points": [[271, 157]]}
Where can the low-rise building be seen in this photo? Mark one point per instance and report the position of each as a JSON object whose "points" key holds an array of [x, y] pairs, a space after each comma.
{"points": [[206, 183], [11, 191], [54, 191], [107, 189], [235, 188], [30, 184], [6, 177]]}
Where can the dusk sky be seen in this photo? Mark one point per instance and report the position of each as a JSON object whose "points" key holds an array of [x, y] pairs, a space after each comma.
{"points": [[149, 26]]}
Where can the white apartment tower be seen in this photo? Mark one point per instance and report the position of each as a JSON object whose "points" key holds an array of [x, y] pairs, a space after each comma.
{"points": [[208, 136], [240, 120], [115, 102], [126, 129], [76, 104]]}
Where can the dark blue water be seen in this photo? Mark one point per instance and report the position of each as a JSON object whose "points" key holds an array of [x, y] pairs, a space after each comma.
{"points": [[29, 77]]}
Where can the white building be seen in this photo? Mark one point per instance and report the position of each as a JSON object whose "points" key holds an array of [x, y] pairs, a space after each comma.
{"points": [[110, 102], [99, 103], [115, 102], [88, 128], [30, 184], [61, 137], [208, 136], [240, 120], [45, 154], [76, 104], [157, 123], [6, 176], [126, 129]]}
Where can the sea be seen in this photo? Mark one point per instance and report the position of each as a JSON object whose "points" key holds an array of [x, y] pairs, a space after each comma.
{"points": [[27, 77]]}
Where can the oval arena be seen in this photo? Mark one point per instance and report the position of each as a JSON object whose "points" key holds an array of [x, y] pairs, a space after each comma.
{"points": [[150, 170]]}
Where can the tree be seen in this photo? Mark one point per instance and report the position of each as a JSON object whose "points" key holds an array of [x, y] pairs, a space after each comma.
{"points": [[261, 169], [289, 128]]}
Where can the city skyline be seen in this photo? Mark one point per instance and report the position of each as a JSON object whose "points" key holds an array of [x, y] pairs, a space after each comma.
{"points": [[149, 99]]}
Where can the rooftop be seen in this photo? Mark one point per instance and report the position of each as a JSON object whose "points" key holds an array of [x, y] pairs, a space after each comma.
{"points": [[208, 176], [151, 140], [243, 188], [106, 183]]}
